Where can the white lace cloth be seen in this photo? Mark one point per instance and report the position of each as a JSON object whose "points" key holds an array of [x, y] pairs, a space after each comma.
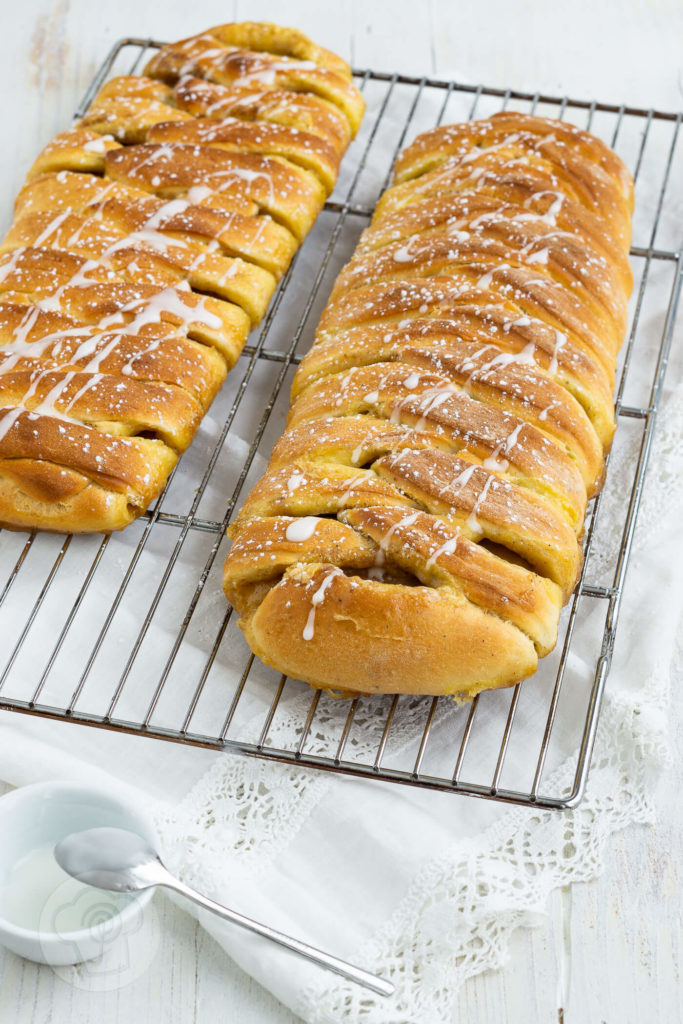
{"points": [[425, 888]]}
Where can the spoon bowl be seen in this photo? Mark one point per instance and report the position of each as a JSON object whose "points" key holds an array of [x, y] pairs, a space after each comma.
{"points": [[111, 858]]}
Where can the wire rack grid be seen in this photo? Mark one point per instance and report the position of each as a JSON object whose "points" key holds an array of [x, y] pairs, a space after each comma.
{"points": [[130, 632]]}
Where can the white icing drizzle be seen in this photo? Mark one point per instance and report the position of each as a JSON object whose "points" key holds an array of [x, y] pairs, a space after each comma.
{"points": [[198, 193], [405, 253], [472, 521], [98, 145], [553, 209], [9, 419], [486, 279], [541, 256], [560, 342], [167, 210], [316, 600], [21, 334], [302, 529], [523, 358], [429, 400], [265, 72], [233, 174], [357, 453], [12, 262], [296, 480], [147, 350], [361, 477], [544, 414], [165, 301], [445, 549], [521, 321], [505, 447], [51, 228], [45, 407], [463, 477], [477, 151], [384, 540], [485, 218]]}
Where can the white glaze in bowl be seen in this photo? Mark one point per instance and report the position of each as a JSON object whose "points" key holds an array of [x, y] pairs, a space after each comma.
{"points": [[33, 817]]}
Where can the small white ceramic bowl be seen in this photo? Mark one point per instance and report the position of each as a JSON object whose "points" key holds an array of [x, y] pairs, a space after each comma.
{"points": [[33, 817]]}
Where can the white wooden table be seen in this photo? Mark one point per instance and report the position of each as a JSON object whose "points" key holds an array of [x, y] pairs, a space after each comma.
{"points": [[609, 950]]}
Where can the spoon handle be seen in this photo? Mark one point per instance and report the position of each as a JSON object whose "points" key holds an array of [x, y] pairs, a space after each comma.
{"points": [[371, 981]]}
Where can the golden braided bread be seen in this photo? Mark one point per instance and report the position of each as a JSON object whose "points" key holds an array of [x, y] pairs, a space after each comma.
{"points": [[417, 529], [146, 243]]}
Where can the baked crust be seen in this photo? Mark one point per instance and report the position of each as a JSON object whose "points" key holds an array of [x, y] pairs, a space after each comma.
{"points": [[146, 243], [262, 55], [418, 527]]}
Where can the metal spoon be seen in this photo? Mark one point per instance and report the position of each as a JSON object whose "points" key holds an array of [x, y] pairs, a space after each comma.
{"points": [[122, 861]]}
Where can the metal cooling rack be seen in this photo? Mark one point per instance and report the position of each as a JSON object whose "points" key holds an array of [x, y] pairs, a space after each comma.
{"points": [[130, 632]]}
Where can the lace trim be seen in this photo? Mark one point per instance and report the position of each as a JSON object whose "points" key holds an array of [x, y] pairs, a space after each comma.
{"points": [[461, 908], [458, 916]]}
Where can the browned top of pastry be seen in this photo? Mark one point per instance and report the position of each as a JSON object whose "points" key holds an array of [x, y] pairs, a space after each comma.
{"points": [[262, 56]]}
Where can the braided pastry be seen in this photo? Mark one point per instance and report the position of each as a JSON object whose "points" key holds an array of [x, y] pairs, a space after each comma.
{"points": [[146, 243], [417, 529]]}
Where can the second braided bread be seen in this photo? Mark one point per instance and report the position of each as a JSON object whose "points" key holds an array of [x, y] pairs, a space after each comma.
{"points": [[418, 527]]}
